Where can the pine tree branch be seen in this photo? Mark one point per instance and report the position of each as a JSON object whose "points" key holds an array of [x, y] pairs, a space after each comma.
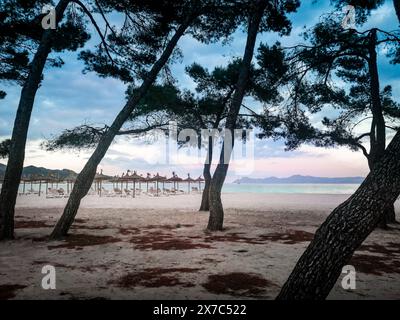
{"points": [[96, 27]]}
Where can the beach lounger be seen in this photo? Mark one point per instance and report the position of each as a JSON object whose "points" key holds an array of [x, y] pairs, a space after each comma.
{"points": [[62, 193], [31, 191], [118, 192], [106, 193], [92, 192], [167, 192], [54, 193], [153, 193], [138, 192]]}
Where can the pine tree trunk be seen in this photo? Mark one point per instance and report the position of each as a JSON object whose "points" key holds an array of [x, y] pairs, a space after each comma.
{"points": [[345, 229], [216, 218], [205, 199], [390, 214], [378, 127], [12, 177], [397, 8], [378, 132], [389, 217], [86, 176]]}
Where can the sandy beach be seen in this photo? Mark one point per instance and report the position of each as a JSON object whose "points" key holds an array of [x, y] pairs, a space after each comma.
{"points": [[157, 248]]}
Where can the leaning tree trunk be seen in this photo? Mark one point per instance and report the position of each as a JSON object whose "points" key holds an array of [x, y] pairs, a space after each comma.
{"points": [[205, 199], [216, 219], [389, 216], [12, 177], [345, 229], [86, 176]]}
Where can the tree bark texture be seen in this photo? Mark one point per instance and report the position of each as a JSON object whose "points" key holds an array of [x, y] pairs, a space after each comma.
{"points": [[344, 230], [205, 199], [12, 177]]}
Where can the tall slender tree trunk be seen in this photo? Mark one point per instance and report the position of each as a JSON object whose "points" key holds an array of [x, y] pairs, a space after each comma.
{"points": [[216, 218], [86, 176], [205, 198], [345, 229], [397, 8], [378, 144], [378, 132], [12, 177]]}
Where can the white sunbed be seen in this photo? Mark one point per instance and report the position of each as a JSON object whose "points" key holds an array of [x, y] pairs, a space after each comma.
{"points": [[92, 192], [107, 193], [153, 192], [138, 192], [54, 193], [118, 192]]}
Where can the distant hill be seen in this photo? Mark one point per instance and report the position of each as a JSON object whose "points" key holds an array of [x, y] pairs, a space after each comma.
{"points": [[301, 179], [32, 170]]}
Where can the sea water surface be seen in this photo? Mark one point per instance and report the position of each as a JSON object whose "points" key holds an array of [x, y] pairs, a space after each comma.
{"points": [[319, 188]]}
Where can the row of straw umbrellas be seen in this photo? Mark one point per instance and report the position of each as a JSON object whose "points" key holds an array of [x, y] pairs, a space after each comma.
{"points": [[47, 181], [125, 179], [135, 178]]}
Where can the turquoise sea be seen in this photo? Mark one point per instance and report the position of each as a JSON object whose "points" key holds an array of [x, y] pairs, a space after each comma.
{"points": [[291, 188]]}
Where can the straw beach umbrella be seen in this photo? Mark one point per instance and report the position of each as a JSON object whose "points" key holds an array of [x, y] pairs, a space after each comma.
{"points": [[70, 180], [23, 179], [189, 180], [135, 178], [199, 180], [39, 179], [114, 180], [147, 180], [175, 179], [157, 178], [49, 179], [124, 179], [99, 178], [32, 179]]}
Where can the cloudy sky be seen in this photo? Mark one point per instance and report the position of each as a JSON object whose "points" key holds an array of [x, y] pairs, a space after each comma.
{"points": [[68, 98]]}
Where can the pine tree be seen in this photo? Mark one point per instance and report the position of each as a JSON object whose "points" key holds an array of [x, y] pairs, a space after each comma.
{"points": [[336, 53], [345, 229], [21, 31], [263, 16], [205, 20]]}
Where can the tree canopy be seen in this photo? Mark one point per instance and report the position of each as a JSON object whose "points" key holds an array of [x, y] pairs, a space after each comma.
{"points": [[334, 54], [5, 148], [21, 32]]}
